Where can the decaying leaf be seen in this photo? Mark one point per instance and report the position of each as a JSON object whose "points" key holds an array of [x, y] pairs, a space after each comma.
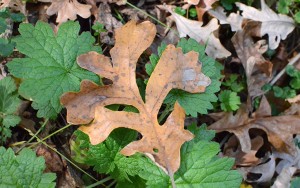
{"points": [[233, 149], [260, 173], [284, 178], [258, 70], [68, 9], [277, 26], [279, 129], [118, 2], [15, 5], [235, 20], [174, 70], [201, 34]]}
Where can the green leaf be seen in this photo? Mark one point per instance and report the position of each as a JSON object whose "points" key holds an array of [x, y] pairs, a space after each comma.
{"points": [[283, 6], [233, 83], [229, 100], [6, 47], [50, 68], [199, 102], [297, 17], [227, 4], [154, 59], [180, 11], [9, 103], [3, 25], [105, 157], [193, 12], [24, 170], [295, 183], [295, 83], [291, 71], [17, 17], [200, 166]]}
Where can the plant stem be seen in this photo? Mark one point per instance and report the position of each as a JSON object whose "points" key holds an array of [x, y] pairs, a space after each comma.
{"points": [[150, 16], [62, 156], [99, 182], [165, 113], [40, 129], [59, 130], [293, 61]]}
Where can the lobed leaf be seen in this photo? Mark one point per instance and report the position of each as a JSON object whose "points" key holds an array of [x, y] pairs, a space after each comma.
{"points": [[9, 103], [174, 70], [24, 170], [49, 68]]}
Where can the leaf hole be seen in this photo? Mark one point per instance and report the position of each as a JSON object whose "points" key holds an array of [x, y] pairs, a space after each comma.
{"points": [[155, 150], [122, 107]]}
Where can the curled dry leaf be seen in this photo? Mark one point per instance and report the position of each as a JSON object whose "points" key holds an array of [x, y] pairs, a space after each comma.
{"points": [[68, 9], [232, 149], [260, 173], [277, 26], [258, 70], [174, 70], [201, 34], [279, 129]]}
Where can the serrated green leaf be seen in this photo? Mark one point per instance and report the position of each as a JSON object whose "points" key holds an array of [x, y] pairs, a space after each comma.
{"points": [[24, 170], [154, 59], [199, 102], [50, 68], [230, 101], [105, 157], [9, 103], [200, 167]]}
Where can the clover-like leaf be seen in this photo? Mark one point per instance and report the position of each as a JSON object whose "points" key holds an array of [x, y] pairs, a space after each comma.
{"points": [[49, 68], [174, 70]]}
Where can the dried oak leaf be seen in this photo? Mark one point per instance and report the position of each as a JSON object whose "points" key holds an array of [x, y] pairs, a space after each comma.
{"points": [[277, 26], [203, 34], [68, 9], [174, 70], [258, 69], [279, 129]]}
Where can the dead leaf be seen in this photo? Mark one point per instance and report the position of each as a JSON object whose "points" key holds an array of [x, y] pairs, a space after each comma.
{"points": [[260, 173], [52, 160], [201, 34], [174, 70], [284, 178], [118, 2], [295, 99], [233, 149], [106, 18], [15, 5], [277, 26], [279, 129], [68, 9], [258, 70], [235, 20]]}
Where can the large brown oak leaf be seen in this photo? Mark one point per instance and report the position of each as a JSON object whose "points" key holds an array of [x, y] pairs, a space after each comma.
{"points": [[174, 70]]}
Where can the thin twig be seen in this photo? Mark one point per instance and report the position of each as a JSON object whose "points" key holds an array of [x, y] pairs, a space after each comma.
{"points": [[278, 76]]}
